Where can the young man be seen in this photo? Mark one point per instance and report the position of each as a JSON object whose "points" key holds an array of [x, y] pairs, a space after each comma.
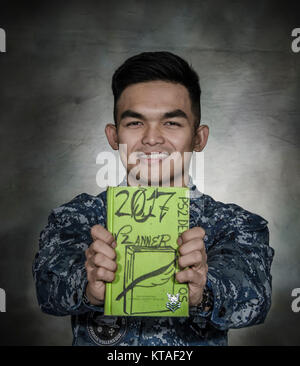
{"points": [[224, 257]]}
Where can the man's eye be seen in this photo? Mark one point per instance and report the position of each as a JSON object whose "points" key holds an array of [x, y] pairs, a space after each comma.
{"points": [[133, 123], [171, 123]]}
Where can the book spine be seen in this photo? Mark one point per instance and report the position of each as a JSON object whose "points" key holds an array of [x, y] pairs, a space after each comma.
{"points": [[110, 211]]}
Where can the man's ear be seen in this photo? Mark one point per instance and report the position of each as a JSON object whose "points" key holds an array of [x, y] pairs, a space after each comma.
{"points": [[112, 136], [201, 138]]}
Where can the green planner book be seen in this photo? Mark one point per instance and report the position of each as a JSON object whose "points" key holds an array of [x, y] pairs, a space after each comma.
{"points": [[146, 222]]}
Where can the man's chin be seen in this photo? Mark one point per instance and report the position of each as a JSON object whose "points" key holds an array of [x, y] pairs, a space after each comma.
{"points": [[140, 181], [155, 181]]}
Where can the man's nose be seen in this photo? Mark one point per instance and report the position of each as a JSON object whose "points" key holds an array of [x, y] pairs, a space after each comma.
{"points": [[152, 136]]}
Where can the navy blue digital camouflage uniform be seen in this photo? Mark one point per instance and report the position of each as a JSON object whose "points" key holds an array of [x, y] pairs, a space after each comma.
{"points": [[239, 261]]}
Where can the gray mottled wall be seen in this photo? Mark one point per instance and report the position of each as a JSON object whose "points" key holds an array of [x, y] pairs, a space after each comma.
{"points": [[55, 100]]}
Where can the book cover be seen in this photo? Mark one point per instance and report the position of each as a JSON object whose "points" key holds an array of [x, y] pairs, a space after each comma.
{"points": [[146, 222]]}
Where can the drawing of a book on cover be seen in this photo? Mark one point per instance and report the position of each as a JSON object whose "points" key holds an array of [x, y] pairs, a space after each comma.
{"points": [[146, 222], [139, 281]]}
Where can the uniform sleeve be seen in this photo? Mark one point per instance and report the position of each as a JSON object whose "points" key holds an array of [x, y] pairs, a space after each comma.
{"points": [[58, 267], [239, 264]]}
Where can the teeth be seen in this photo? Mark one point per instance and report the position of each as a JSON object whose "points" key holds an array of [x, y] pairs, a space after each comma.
{"points": [[154, 156]]}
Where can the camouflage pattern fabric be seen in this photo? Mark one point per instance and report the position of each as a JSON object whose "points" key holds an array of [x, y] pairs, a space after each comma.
{"points": [[239, 263]]}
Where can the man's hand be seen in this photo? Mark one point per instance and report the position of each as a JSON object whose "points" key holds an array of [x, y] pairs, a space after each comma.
{"points": [[100, 263], [193, 262]]}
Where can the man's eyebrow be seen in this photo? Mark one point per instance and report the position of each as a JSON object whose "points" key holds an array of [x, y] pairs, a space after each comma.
{"points": [[132, 114], [175, 113], [172, 114]]}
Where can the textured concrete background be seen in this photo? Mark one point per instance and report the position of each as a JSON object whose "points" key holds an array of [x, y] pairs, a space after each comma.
{"points": [[55, 100]]}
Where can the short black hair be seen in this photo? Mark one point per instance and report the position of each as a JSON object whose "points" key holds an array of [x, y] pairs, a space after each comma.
{"points": [[160, 65]]}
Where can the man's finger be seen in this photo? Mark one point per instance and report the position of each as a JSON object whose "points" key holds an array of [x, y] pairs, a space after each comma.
{"points": [[191, 246], [188, 276], [99, 246], [101, 260], [191, 259], [102, 274], [194, 233], [99, 232], [89, 253], [88, 267]]}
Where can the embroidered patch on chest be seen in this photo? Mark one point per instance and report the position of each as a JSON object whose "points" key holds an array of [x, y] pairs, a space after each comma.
{"points": [[106, 331]]}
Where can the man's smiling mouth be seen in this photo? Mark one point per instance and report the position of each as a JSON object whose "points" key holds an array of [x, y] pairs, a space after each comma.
{"points": [[153, 156]]}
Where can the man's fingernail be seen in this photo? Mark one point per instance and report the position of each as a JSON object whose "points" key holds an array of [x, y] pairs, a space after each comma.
{"points": [[114, 244], [179, 240]]}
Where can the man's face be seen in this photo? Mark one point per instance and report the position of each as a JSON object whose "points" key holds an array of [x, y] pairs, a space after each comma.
{"points": [[156, 124]]}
